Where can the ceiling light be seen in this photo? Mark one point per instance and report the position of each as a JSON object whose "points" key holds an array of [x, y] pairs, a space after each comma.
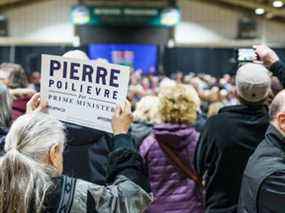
{"points": [[278, 4], [259, 11], [170, 17], [80, 14]]}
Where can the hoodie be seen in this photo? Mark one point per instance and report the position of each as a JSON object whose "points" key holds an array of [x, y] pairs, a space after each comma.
{"points": [[173, 192]]}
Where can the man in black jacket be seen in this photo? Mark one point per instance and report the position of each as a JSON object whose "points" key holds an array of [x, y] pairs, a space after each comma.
{"points": [[230, 137], [263, 185]]}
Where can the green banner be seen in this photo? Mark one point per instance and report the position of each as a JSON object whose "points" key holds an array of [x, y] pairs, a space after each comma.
{"points": [[124, 16]]}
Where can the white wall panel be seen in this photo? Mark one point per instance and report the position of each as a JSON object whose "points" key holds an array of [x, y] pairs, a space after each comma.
{"points": [[211, 23], [48, 20]]}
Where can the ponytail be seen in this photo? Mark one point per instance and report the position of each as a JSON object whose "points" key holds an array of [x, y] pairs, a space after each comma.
{"points": [[25, 177], [23, 183]]}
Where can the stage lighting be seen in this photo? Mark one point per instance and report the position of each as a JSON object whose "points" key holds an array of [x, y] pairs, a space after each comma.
{"points": [[80, 15], [170, 17], [278, 4], [259, 11]]}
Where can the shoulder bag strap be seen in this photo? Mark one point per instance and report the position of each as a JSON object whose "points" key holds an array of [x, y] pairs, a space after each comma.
{"points": [[180, 165]]}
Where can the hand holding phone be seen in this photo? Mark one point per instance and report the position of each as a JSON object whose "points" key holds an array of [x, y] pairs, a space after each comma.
{"points": [[265, 55], [246, 55]]}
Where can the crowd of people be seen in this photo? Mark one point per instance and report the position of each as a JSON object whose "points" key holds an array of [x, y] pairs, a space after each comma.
{"points": [[188, 143], [212, 92]]}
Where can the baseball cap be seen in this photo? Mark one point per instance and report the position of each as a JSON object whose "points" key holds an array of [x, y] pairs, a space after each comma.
{"points": [[253, 82]]}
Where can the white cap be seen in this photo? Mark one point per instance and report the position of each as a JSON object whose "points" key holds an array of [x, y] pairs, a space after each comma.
{"points": [[253, 82], [76, 54]]}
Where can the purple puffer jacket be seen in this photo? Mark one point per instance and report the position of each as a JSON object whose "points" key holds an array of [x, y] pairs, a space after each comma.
{"points": [[173, 192]]}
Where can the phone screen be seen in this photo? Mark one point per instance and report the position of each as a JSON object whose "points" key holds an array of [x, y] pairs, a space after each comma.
{"points": [[246, 55]]}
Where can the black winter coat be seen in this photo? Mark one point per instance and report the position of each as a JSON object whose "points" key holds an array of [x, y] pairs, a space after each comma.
{"points": [[278, 70], [263, 184], [224, 148], [86, 153]]}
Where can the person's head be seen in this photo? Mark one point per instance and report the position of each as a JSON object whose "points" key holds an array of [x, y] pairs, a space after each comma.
{"points": [[33, 154], [227, 78], [214, 95], [134, 78], [145, 83], [252, 84], [277, 111], [165, 83], [179, 77], [154, 81], [177, 105], [276, 85], [76, 54], [5, 107], [214, 108], [194, 95], [147, 110], [35, 78], [14, 75], [223, 94]]}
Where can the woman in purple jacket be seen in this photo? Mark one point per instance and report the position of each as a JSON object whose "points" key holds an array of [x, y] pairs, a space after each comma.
{"points": [[173, 190]]}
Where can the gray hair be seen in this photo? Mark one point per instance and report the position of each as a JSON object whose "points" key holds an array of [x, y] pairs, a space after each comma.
{"points": [[277, 105], [5, 107], [24, 178], [16, 75]]}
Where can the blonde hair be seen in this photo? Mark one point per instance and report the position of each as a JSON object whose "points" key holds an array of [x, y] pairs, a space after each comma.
{"points": [[194, 95], [214, 108], [177, 105], [147, 110], [24, 179]]}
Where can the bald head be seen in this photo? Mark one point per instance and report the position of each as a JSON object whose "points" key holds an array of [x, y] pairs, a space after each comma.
{"points": [[277, 105]]}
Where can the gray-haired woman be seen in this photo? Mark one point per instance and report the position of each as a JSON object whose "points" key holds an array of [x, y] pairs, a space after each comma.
{"points": [[5, 112], [30, 170]]}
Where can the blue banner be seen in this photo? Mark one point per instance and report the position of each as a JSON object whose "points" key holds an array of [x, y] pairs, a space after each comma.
{"points": [[137, 56]]}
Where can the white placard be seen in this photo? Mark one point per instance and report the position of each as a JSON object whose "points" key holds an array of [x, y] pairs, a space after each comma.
{"points": [[83, 92]]}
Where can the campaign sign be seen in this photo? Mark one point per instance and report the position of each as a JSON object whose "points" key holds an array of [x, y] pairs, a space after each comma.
{"points": [[83, 92]]}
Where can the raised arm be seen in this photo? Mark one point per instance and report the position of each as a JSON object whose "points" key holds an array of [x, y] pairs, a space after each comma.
{"points": [[124, 158], [128, 187], [271, 60]]}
